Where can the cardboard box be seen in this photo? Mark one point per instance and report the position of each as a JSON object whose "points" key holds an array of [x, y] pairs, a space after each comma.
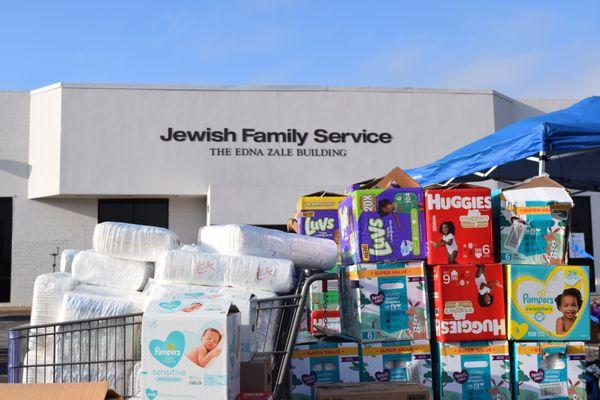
{"points": [[397, 362], [384, 301], [191, 348], [318, 216], [549, 371], [459, 225], [59, 391], [256, 375], [474, 370], [532, 222], [324, 306], [469, 302], [384, 222], [320, 363], [548, 302], [373, 390], [255, 396]]}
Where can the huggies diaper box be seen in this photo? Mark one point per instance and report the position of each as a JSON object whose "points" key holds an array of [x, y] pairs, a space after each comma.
{"points": [[397, 362], [459, 225], [469, 302], [383, 223], [191, 349], [318, 363], [386, 301], [548, 302], [324, 306], [549, 371], [474, 370], [531, 221]]}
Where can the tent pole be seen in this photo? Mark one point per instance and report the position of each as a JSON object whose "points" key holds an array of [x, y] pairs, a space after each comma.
{"points": [[542, 163]]}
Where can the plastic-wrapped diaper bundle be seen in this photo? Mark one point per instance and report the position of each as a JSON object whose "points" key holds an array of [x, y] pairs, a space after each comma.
{"points": [[192, 247], [254, 273], [48, 291], [88, 301], [268, 321], [133, 242], [98, 341], [66, 259], [33, 374], [304, 251], [98, 269]]}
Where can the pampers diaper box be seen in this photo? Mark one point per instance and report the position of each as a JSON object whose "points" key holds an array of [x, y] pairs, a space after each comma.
{"points": [[548, 302], [549, 371], [397, 362], [474, 370], [191, 349], [318, 363], [386, 301], [469, 302], [379, 224], [459, 225], [531, 221]]}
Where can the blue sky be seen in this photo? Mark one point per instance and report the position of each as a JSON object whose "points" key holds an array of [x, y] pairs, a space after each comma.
{"points": [[525, 49]]}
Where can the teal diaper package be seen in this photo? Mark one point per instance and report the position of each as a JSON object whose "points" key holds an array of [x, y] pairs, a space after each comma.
{"points": [[384, 301], [397, 362], [549, 371], [318, 363], [474, 370]]}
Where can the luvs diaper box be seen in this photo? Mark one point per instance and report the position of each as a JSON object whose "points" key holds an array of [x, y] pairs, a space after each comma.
{"points": [[531, 220], [469, 302], [318, 215], [324, 307], [397, 362], [548, 302], [386, 301], [459, 225], [474, 370], [549, 371], [379, 224], [191, 349], [318, 363]]}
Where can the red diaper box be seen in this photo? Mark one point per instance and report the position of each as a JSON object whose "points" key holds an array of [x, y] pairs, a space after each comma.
{"points": [[469, 302], [458, 222]]}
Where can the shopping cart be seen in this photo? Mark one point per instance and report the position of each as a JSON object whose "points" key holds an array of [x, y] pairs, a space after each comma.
{"points": [[109, 349]]}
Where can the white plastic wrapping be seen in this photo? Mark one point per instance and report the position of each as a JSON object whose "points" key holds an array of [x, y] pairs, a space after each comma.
{"points": [[88, 301], [268, 320], [249, 272], [48, 291], [133, 242], [34, 374], [191, 247], [304, 251], [98, 269], [66, 259]]}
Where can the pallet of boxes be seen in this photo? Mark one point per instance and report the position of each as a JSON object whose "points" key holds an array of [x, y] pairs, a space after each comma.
{"points": [[382, 335]]}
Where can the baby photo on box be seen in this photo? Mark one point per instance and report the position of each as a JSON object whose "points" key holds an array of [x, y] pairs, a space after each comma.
{"points": [[191, 349]]}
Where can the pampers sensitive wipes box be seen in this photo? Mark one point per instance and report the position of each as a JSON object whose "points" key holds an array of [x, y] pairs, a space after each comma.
{"points": [[548, 302], [531, 221], [318, 363], [469, 302], [459, 225], [397, 362], [191, 349], [386, 301], [474, 370], [378, 225], [549, 371]]}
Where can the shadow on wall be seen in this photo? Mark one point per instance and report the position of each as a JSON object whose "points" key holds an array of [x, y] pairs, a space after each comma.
{"points": [[17, 168], [83, 206]]}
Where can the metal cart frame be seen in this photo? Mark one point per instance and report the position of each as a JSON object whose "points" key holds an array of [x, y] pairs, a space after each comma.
{"points": [[109, 348]]}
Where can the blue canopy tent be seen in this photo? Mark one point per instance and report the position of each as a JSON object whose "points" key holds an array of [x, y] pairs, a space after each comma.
{"points": [[565, 144]]}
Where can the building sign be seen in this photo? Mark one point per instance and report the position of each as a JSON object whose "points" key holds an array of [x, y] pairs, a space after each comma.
{"points": [[292, 136]]}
